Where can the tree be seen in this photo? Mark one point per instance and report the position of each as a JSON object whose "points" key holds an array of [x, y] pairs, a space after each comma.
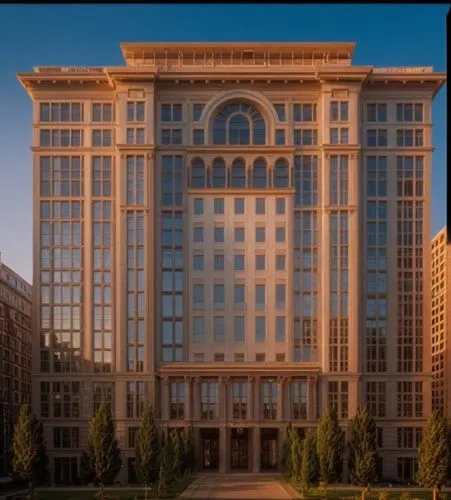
{"points": [[165, 474], [296, 456], [41, 474], [362, 448], [177, 459], [25, 448], [286, 453], [330, 447], [433, 454], [310, 466], [104, 448], [87, 474], [147, 448], [189, 455]]}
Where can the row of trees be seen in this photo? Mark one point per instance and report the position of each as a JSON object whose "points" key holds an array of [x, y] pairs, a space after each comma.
{"points": [[318, 458], [160, 457]]}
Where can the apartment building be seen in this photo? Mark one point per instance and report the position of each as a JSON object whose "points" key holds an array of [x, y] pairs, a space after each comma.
{"points": [[15, 356], [440, 333], [238, 233]]}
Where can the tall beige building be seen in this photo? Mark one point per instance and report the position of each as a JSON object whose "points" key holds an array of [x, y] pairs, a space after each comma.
{"points": [[15, 356], [441, 326], [238, 233]]}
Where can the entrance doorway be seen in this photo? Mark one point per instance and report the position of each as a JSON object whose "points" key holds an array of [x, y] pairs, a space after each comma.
{"points": [[210, 449], [240, 447], [269, 453]]}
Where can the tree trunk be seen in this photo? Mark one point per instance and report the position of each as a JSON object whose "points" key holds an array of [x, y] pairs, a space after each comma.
{"points": [[101, 490], [434, 493], [363, 494]]}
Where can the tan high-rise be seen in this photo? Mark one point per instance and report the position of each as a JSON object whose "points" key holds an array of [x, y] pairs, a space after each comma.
{"points": [[238, 233]]}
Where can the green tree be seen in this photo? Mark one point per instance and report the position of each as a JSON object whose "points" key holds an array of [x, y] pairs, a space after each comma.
{"points": [[105, 456], [296, 456], [165, 476], [25, 448], [189, 455], [329, 447], [310, 466], [177, 458], [41, 470], [286, 452], [362, 449], [87, 474], [147, 448], [433, 454]]}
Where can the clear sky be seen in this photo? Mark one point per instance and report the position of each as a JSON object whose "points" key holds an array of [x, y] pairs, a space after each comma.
{"points": [[71, 35]]}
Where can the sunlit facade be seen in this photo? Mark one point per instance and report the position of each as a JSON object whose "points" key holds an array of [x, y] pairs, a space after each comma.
{"points": [[239, 234]]}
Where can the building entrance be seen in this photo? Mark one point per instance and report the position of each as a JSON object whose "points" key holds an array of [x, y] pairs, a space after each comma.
{"points": [[210, 449], [240, 447], [269, 448]]}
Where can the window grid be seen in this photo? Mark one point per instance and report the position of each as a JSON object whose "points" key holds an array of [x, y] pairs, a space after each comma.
{"points": [[376, 398], [177, 402], [61, 112], [338, 173], [136, 396], [61, 176], [209, 400], [101, 176], [299, 399], [338, 396], [61, 138]]}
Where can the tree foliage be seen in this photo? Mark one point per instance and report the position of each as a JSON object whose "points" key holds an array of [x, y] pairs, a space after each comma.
{"points": [[362, 448], [330, 447], [433, 454], [296, 456], [189, 455], [105, 457], [286, 452], [147, 452], [177, 445], [310, 465]]}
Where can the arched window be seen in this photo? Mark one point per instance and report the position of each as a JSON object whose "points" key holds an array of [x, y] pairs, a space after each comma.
{"points": [[197, 173], [281, 173], [238, 174], [219, 173], [259, 176], [239, 124]]}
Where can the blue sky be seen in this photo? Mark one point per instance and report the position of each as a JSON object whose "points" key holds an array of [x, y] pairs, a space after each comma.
{"points": [[53, 35]]}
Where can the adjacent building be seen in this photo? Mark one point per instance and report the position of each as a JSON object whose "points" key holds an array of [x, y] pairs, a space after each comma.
{"points": [[441, 338], [15, 356], [238, 233]]}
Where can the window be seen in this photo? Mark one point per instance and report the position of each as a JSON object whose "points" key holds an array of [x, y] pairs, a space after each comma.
{"points": [[171, 112], [219, 328], [61, 138], [304, 112], [238, 328], [259, 174], [177, 401], [280, 296], [270, 390], [376, 175], [135, 399], [238, 174], [218, 264], [209, 400], [239, 234], [260, 206], [197, 111], [409, 173], [219, 173], [101, 138], [259, 262], [260, 329], [280, 137], [409, 112], [239, 262], [239, 124], [239, 400], [339, 111], [66, 437], [299, 396], [376, 138], [260, 233], [376, 398], [280, 206], [239, 296], [409, 137], [218, 233], [306, 180], [135, 111], [376, 112], [171, 136], [260, 296], [135, 136], [260, 357], [281, 173], [61, 112], [218, 205], [198, 137], [280, 328], [280, 110], [219, 296], [239, 206], [132, 433], [339, 398], [135, 180], [198, 262], [280, 262], [305, 137], [172, 180], [61, 176], [339, 135], [102, 112], [198, 172], [198, 296], [198, 234], [198, 204], [280, 234], [338, 180], [219, 357], [198, 328]]}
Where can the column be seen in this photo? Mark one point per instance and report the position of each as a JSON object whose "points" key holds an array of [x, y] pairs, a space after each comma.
{"points": [[311, 399], [188, 400], [280, 398], [224, 458], [250, 398], [165, 400], [195, 409], [256, 450]]}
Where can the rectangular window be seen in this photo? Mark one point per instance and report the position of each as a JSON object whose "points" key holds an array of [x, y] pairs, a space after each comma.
{"points": [[280, 263], [239, 328], [61, 176], [171, 112], [135, 136], [172, 180], [304, 112], [376, 138], [280, 328], [305, 137], [177, 402], [61, 138], [260, 329], [198, 296], [135, 111], [198, 329], [198, 137], [197, 111], [219, 329], [260, 206], [409, 138], [338, 180], [218, 234], [260, 234], [409, 112], [171, 136], [339, 111], [198, 204], [198, 234], [280, 206], [66, 437], [61, 112], [219, 296], [135, 180], [218, 263], [339, 135], [260, 262], [198, 262], [219, 206], [280, 137], [102, 112], [260, 296], [101, 138], [280, 234], [280, 110], [280, 296], [209, 400], [239, 234], [239, 206], [239, 262], [239, 297], [299, 395], [376, 112]]}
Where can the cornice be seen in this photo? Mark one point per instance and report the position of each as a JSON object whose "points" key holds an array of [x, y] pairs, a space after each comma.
{"points": [[240, 191]]}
